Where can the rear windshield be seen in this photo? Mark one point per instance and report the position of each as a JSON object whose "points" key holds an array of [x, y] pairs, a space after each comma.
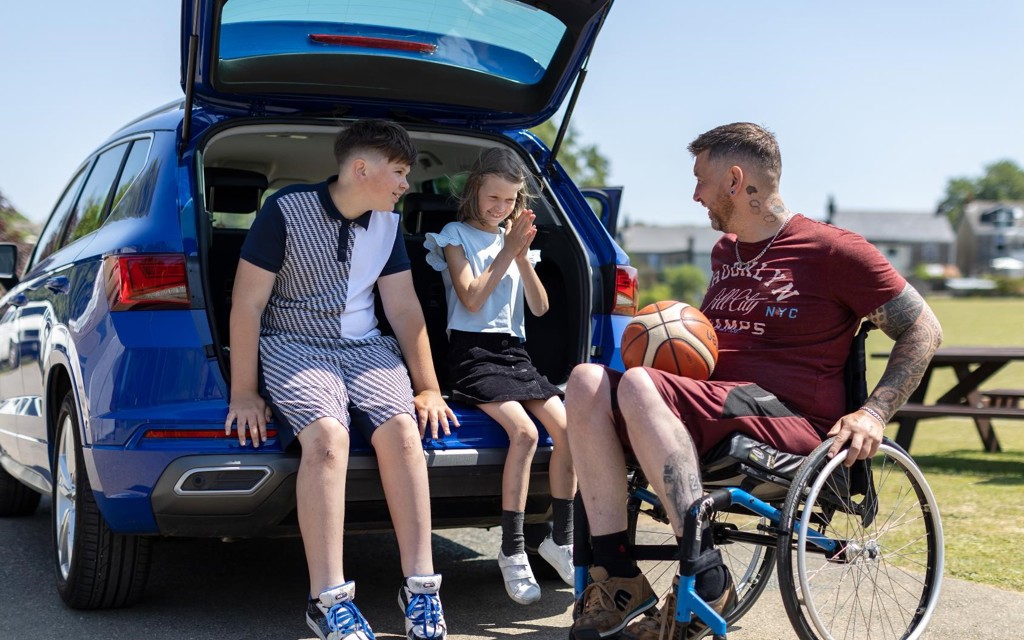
{"points": [[500, 38]]}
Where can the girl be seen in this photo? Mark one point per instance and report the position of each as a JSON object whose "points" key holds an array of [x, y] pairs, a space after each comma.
{"points": [[487, 269]]}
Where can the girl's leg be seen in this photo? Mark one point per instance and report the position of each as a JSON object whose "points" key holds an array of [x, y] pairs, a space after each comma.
{"points": [[522, 443], [520, 584], [557, 549], [551, 413]]}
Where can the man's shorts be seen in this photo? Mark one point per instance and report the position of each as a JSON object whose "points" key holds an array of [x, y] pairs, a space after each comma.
{"points": [[711, 411], [361, 383]]}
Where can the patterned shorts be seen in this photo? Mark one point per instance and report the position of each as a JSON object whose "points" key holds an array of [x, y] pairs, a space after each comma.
{"points": [[357, 382]]}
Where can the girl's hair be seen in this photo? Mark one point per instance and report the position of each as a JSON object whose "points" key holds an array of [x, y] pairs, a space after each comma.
{"points": [[502, 163]]}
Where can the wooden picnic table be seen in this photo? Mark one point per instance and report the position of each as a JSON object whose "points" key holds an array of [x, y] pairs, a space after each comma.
{"points": [[973, 366]]}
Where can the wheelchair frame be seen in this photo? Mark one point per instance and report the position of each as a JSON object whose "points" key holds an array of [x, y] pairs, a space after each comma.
{"points": [[808, 510]]}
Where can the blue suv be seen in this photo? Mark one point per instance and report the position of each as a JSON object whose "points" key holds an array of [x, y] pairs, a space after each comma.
{"points": [[114, 391]]}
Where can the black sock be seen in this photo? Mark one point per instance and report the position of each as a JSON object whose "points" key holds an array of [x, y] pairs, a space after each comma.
{"points": [[512, 539], [561, 509], [612, 552]]}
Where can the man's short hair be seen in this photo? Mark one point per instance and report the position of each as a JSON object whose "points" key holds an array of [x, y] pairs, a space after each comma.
{"points": [[741, 141], [382, 136]]}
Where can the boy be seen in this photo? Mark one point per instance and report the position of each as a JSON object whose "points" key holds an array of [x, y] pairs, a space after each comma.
{"points": [[304, 302]]}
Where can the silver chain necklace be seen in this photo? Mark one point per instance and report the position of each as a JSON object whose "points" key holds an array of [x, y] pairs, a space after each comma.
{"points": [[740, 264]]}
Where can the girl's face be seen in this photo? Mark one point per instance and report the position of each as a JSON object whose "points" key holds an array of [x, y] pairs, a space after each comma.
{"points": [[495, 201]]}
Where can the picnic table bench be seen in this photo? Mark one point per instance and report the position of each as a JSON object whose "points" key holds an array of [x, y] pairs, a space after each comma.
{"points": [[973, 366]]}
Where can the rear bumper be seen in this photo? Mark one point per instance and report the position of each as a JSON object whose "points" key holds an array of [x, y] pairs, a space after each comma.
{"points": [[253, 495]]}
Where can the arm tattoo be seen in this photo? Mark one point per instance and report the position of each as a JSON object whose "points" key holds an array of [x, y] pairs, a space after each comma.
{"points": [[909, 321]]}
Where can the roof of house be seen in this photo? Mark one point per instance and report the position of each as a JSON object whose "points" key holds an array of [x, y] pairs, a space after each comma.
{"points": [[894, 226], [641, 238]]}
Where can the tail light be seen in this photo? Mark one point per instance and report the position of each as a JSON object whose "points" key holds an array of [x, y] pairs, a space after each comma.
{"points": [[626, 291], [150, 281]]}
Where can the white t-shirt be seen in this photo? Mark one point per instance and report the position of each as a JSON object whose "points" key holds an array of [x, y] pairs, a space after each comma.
{"points": [[503, 310]]}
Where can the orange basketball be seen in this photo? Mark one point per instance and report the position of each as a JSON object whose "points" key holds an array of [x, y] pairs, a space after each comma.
{"points": [[673, 337]]}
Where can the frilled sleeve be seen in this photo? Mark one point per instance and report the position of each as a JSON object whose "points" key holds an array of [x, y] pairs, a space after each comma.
{"points": [[436, 242]]}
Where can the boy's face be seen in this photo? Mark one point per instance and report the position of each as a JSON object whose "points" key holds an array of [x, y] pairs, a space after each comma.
{"points": [[385, 181]]}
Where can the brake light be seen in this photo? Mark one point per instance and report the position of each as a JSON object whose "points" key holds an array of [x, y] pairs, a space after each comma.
{"points": [[152, 281], [626, 291], [373, 43]]}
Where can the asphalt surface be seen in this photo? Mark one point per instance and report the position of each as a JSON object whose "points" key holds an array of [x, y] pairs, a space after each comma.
{"points": [[213, 590]]}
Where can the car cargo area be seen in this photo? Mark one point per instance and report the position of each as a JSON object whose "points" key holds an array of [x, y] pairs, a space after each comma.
{"points": [[241, 166]]}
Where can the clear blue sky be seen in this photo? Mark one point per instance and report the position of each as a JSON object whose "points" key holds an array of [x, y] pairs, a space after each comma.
{"points": [[878, 103]]}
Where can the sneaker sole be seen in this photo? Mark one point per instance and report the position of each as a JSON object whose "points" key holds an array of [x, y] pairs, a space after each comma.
{"points": [[594, 634]]}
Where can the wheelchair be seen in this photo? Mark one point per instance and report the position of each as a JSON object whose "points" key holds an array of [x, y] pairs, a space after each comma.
{"points": [[857, 552]]}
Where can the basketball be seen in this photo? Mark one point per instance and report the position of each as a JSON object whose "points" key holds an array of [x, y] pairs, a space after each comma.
{"points": [[673, 337]]}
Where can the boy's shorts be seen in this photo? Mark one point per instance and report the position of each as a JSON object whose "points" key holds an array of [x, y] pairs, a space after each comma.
{"points": [[361, 383], [711, 411]]}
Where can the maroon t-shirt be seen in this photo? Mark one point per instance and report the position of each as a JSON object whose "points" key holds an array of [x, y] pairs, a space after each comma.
{"points": [[786, 323]]}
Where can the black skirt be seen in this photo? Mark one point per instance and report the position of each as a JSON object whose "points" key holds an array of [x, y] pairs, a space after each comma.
{"points": [[494, 367]]}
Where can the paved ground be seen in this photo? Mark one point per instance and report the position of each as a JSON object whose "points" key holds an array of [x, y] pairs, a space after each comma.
{"points": [[209, 590]]}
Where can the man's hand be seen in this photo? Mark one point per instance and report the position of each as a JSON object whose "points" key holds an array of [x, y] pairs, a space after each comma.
{"points": [[862, 431], [252, 414], [433, 410]]}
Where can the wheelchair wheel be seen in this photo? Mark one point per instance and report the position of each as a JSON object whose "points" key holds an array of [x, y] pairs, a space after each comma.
{"points": [[882, 579], [751, 564]]}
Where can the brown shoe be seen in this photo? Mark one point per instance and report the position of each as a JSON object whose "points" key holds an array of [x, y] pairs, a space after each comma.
{"points": [[608, 604], [663, 626]]}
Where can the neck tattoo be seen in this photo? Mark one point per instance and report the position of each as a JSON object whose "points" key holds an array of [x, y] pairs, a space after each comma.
{"points": [[741, 264]]}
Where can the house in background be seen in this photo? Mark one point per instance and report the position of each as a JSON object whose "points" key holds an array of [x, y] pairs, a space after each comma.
{"points": [[990, 237], [906, 239], [653, 248]]}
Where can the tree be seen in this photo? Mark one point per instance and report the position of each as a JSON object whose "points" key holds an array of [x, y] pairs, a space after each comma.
{"points": [[584, 163], [1003, 180]]}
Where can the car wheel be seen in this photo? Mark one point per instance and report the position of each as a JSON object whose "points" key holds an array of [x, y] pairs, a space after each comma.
{"points": [[15, 498], [96, 567]]}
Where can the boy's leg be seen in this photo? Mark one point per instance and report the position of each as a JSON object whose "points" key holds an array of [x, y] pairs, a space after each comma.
{"points": [[320, 501], [403, 472]]}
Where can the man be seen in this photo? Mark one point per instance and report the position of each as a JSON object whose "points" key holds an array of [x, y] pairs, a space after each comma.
{"points": [[786, 296]]}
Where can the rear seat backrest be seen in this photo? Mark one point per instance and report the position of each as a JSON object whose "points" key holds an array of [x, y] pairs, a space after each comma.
{"points": [[424, 213]]}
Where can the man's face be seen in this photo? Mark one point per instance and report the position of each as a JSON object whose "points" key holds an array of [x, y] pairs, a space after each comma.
{"points": [[712, 191]]}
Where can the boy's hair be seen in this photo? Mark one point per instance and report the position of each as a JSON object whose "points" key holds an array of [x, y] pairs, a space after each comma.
{"points": [[742, 141], [386, 138], [503, 163]]}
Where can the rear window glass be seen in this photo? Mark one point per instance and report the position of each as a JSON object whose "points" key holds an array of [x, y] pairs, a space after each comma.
{"points": [[501, 38]]}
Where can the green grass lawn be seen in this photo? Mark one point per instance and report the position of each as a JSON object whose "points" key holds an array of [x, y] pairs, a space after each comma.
{"points": [[980, 495]]}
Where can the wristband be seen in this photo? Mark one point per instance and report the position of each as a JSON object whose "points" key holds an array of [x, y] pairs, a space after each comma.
{"points": [[874, 414]]}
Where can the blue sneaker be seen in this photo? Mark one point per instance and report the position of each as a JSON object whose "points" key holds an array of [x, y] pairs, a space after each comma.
{"points": [[334, 616], [424, 618]]}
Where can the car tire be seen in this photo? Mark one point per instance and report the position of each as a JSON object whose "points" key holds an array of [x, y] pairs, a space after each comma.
{"points": [[96, 567], [15, 498]]}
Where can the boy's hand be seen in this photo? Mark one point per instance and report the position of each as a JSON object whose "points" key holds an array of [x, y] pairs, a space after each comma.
{"points": [[252, 414], [432, 409]]}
